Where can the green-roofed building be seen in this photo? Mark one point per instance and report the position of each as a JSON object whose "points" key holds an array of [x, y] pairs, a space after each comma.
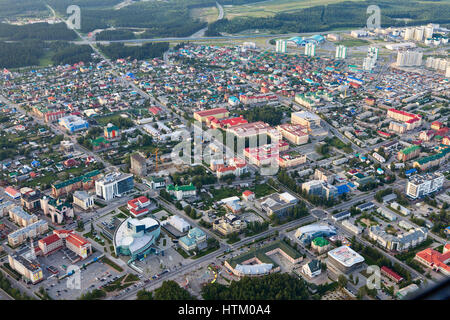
{"points": [[180, 192], [100, 143], [408, 153], [433, 160], [320, 244], [84, 182]]}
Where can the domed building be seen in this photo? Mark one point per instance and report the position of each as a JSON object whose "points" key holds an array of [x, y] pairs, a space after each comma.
{"points": [[136, 238]]}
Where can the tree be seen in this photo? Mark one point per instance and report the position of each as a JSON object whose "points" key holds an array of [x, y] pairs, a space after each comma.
{"points": [[170, 290], [342, 280]]}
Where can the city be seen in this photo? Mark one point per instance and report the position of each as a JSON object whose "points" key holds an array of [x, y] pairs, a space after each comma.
{"points": [[314, 162]]}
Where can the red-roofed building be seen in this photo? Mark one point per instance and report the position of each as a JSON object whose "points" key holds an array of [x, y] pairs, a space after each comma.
{"points": [[410, 119], [65, 238], [218, 113], [436, 125], [391, 274], [435, 260], [227, 123], [383, 134], [13, 193], [154, 110], [248, 195], [139, 206]]}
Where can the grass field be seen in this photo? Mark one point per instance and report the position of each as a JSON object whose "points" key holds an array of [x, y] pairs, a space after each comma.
{"points": [[353, 42], [208, 14], [272, 7]]}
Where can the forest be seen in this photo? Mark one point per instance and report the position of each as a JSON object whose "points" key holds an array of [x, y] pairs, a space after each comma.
{"points": [[340, 15], [146, 51], [36, 31]]}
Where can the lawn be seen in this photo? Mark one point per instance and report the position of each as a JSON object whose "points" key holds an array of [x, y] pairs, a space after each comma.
{"points": [[353, 42]]}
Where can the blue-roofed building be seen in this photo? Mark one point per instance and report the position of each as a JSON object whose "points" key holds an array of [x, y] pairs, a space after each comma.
{"points": [[410, 172], [341, 216], [342, 189], [35, 163], [195, 239]]}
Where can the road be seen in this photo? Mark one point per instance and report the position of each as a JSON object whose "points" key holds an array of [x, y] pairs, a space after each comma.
{"points": [[214, 255]]}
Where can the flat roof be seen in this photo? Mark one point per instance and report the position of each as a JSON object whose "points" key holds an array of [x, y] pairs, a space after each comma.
{"points": [[346, 256]]}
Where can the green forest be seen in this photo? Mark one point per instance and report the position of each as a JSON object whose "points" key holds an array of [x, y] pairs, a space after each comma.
{"points": [[341, 15]]}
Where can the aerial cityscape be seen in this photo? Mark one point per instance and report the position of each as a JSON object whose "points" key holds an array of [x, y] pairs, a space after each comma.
{"points": [[229, 150]]}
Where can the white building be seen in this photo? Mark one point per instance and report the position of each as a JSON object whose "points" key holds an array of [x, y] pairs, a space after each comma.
{"points": [[421, 185], [341, 52], [179, 223], [114, 185], [281, 46], [352, 227], [387, 214], [409, 58], [83, 199], [310, 49]]}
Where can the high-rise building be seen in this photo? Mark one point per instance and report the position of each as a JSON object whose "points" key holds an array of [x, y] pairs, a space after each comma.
{"points": [[409, 58], [113, 185], [281, 46], [341, 52], [418, 33], [409, 33], [138, 165], [422, 185], [428, 32], [370, 61], [310, 49]]}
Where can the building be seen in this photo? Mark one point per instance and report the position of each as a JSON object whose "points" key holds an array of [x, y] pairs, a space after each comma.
{"points": [[21, 217], [194, 240], [408, 153], [57, 209], [136, 238], [281, 46], [73, 123], [419, 186], [391, 274], [111, 131], [218, 113], [324, 175], [178, 223], [309, 232], [312, 269], [229, 224], [341, 52], [409, 58], [320, 188], [13, 193], [306, 119], [84, 182], [139, 206], [31, 200], [341, 216], [248, 195], [65, 239], [294, 133], [352, 227], [435, 260], [28, 268], [250, 129], [113, 185], [400, 243], [433, 160], [320, 245], [138, 165], [181, 192], [156, 182], [344, 259], [411, 120], [277, 204], [403, 292], [310, 49], [20, 236], [387, 214], [291, 159], [83, 199]]}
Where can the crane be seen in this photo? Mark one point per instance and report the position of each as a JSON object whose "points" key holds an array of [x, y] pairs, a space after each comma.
{"points": [[156, 158]]}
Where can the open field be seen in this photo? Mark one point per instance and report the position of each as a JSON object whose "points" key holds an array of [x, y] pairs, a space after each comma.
{"points": [[271, 7], [208, 14]]}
